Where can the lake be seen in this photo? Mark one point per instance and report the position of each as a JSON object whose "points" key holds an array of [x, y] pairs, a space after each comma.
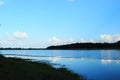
{"points": [[93, 64]]}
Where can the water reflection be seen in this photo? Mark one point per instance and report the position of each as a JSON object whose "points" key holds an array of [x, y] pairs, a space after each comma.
{"points": [[93, 64], [108, 61], [55, 59], [108, 58]]}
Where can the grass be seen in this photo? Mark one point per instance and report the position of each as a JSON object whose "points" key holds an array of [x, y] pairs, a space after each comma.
{"points": [[20, 69]]}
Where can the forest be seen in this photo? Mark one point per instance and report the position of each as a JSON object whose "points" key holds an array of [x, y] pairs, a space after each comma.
{"points": [[115, 45]]}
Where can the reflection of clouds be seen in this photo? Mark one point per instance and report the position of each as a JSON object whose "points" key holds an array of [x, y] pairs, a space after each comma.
{"points": [[82, 59], [108, 61], [108, 57], [71, 58], [58, 58], [105, 54], [55, 59], [118, 61], [105, 59]]}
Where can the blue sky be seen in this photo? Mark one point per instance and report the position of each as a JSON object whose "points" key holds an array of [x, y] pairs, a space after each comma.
{"points": [[40, 23]]}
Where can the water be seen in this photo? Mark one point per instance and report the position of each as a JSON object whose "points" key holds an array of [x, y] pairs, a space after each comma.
{"points": [[93, 64]]}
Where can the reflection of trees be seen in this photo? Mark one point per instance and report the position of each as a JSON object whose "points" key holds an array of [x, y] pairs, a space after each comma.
{"points": [[108, 58]]}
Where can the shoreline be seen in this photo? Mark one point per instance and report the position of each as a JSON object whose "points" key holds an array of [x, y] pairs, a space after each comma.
{"points": [[22, 69]]}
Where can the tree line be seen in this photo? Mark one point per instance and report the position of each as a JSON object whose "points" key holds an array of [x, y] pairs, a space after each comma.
{"points": [[115, 45]]}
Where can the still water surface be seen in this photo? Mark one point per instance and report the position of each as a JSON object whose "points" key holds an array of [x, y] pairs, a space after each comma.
{"points": [[93, 64]]}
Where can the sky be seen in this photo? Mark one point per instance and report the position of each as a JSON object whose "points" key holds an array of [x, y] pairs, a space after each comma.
{"points": [[41, 23]]}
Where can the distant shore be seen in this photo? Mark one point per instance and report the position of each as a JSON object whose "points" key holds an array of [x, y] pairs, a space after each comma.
{"points": [[75, 46], [86, 46], [65, 49]]}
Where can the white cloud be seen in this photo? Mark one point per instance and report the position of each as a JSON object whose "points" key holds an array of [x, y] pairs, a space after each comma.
{"points": [[92, 41], [70, 0], [7, 43], [71, 40], [20, 35], [55, 40], [106, 38], [110, 38], [2, 3], [116, 37], [61, 41], [82, 40]]}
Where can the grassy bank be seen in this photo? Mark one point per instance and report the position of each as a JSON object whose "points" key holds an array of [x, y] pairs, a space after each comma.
{"points": [[18, 69]]}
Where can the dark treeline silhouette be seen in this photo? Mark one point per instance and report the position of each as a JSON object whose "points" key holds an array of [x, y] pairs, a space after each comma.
{"points": [[115, 45], [22, 48]]}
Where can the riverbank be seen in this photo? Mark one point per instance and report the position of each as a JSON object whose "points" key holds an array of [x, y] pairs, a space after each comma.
{"points": [[19, 69]]}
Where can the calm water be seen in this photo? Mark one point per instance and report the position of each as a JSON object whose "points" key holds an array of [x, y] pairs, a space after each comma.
{"points": [[93, 64]]}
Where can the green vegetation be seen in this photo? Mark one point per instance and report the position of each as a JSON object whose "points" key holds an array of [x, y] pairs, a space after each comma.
{"points": [[19, 69]]}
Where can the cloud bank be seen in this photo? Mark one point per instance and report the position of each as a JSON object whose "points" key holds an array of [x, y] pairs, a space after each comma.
{"points": [[103, 38], [18, 39], [110, 38], [54, 39]]}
